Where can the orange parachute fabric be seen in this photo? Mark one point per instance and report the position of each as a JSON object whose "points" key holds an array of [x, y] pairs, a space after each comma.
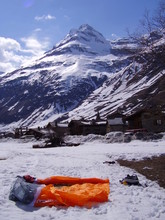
{"points": [[71, 191]]}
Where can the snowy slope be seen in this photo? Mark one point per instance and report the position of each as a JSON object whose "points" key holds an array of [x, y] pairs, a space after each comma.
{"points": [[134, 202], [138, 85], [60, 80], [81, 75]]}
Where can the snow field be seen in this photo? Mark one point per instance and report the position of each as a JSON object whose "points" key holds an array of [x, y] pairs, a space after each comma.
{"points": [[130, 203]]}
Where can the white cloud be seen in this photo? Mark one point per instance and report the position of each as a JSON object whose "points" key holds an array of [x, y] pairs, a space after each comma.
{"points": [[6, 67], [37, 30], [9, 44], [33, 45], [44, 17], [9, 50], [13, 55]]}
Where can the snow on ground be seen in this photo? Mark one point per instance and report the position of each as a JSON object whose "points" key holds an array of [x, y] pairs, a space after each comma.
{"points": [[129, 203]]}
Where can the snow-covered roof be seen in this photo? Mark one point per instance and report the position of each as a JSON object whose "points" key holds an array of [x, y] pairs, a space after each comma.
{"points": [[93, 122], [62, 125], [101, 122], [115, 121], [86, 122]]}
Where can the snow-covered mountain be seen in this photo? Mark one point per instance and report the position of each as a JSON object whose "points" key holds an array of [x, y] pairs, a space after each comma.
{"points": [[81, 75]]}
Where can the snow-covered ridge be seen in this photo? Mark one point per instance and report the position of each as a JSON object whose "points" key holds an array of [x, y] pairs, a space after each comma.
{"points": [[83, 40], [81, 75]]}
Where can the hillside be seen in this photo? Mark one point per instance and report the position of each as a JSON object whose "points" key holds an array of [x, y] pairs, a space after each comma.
{"points": [[137, 86], [83, 74]]}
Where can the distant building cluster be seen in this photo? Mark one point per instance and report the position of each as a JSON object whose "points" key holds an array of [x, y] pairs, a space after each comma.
{"points": [[141, 121]]}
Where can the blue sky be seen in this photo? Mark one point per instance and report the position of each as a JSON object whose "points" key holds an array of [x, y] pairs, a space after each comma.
{"points": [[30, 27]]}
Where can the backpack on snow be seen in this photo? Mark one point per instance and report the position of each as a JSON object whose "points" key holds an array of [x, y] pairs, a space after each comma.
{"points": [[22, 191], [130, 180]]}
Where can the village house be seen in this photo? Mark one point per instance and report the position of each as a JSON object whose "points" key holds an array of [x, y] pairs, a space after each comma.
{"points": [[19, 132], [60, 129], [39, 132], [116, 122], [147, 120], [85, 127]]}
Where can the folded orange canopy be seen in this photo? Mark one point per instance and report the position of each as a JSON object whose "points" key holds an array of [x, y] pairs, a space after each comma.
{"points": [[72, 191]]}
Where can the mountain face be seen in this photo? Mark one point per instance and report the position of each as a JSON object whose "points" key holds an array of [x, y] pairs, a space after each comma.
{"points": [[81, 75], [137, 86]]}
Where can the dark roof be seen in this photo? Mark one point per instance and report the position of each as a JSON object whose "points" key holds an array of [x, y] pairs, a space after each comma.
{"points": [[138, 113]]}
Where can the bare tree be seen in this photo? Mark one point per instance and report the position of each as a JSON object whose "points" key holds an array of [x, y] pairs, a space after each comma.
{"points": [[144, 35], [155, 22], [159, 16], [146, 23]]}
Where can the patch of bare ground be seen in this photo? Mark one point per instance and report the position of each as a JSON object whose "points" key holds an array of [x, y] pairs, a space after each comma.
{"points": [[3, 158], [153, 168]]}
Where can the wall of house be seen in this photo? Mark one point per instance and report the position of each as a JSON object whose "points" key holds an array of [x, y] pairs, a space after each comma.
{"points": [[94, 129], [75, 128], [135, 122], [117, 128], [154, 122]]}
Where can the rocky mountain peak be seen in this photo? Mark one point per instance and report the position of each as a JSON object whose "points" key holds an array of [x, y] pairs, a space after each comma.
{"points": [[85, 39], [86, 30]]}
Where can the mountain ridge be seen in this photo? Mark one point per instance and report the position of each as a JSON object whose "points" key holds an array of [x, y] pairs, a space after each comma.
{"points": [[74, 78]]}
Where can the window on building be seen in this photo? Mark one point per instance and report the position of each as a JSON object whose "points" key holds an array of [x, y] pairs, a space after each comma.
{"points": [[159, 121]]}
